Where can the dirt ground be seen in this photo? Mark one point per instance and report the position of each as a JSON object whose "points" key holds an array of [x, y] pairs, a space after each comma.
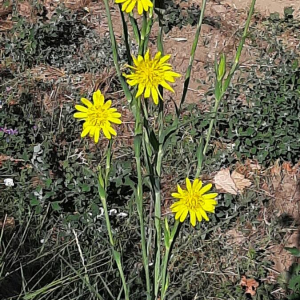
{"points": [[267, 6]]}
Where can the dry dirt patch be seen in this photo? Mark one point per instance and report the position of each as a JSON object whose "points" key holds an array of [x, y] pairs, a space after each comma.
{"points": [[266, 6]]}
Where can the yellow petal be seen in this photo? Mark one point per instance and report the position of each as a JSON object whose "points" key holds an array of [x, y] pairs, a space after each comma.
{"points": [[188, 184], [154, 95], [80, 115], [107, 104], [199, 186], [98, 98], [140, 90], [178, 203], [199, 216], [180, 190], [165, 58], [166, 86], [184, 215], [157, 55], [178, 214], [131, 6], [148, 3], [125, 4], [147, 92], [115, 115], [203, 214], [147, 56], [205, 189], [81, 108], [97, 134], [86, 102], [210, 196], [177, 208], [193, 217], [176, 195], [85, 131], [172, 74], [115, 120], [112, 131], [208, 207], [196, 181], [140, 7], [106, 133], [92, 131]]}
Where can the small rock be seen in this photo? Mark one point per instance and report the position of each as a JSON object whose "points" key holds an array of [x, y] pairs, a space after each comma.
{"points": [[219, 9]]}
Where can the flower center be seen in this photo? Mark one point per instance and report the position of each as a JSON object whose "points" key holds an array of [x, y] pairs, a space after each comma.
{"points": [[97, 116], [150, 74], [194, 200]]}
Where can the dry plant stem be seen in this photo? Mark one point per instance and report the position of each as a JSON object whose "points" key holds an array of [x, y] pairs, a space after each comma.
{"points": [[223, 86], [139, 193], [115, 53], [102, 187], [192, 56]]}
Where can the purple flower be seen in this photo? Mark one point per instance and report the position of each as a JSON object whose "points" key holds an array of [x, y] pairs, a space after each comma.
{"points": [[9, 131]]}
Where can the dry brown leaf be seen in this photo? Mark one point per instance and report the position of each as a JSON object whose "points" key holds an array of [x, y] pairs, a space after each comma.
{"points": [[8, 223], [240, 181], [250, 285], [287, 166], [4, 157], [224, 182]]}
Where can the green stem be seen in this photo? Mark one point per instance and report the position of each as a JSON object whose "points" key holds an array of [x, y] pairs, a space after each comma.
{"points": [[102, 188], [135, 27], [139, 196], [115, 53], [222, 88], [126, 36], [157, 185], [240, 48], [192, 56], [165, 263], [211, 125], [143, 34]]}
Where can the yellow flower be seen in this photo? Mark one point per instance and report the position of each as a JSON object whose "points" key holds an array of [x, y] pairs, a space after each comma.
{"points": [[97, 117], [149, 73], [128, 5], [193, 201]]}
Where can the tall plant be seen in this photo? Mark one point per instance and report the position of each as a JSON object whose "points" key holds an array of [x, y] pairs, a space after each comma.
{"points": [[148, 75]]}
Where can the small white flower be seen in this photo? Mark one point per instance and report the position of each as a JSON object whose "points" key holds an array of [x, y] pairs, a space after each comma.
{"points": [[112, 212], [101, 213], [42, 241], [9, 182], [39, 194], [122, 215]]}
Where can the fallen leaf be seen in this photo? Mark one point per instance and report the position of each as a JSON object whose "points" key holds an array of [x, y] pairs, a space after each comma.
{"points": [[240, 181], [250, 285], [224, 182], [287, 166], [8, 223]]}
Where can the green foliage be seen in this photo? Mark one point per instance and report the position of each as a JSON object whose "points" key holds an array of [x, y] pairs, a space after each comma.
{"points": [[59, 42], [294, 280], [173, 15]]}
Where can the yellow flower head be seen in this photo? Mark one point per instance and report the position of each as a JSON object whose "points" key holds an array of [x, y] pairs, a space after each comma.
{"points": [[128, 5], [149, 73], [97, 117], [193, 201]]}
